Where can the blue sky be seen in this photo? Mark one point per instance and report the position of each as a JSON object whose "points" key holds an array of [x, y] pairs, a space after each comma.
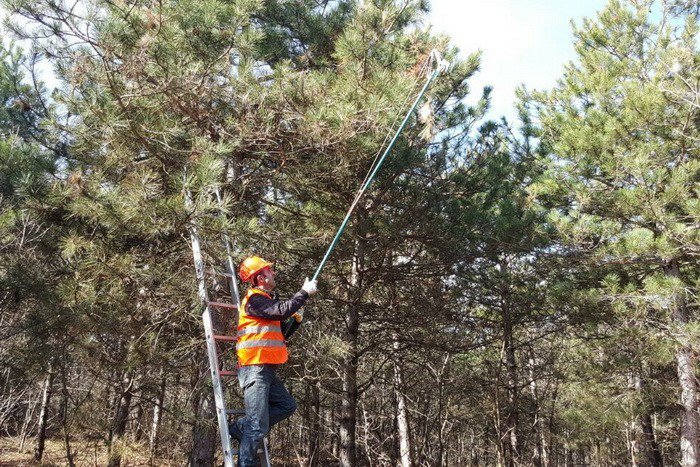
{"points": [[523, 41]]}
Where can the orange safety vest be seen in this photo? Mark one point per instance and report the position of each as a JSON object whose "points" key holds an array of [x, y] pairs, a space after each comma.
{"points": [[259, 340]]}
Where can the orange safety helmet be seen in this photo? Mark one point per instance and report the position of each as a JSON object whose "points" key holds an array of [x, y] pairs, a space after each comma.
{"points": [[251, 266]]}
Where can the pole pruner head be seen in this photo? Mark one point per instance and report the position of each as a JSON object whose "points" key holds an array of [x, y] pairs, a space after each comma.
{"points": [[438, 62]]}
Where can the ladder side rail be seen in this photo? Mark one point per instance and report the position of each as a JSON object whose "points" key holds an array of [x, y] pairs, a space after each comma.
{"points": [[235, 294], [211, 344], [265, 454], [218, 390], [231, 268]]}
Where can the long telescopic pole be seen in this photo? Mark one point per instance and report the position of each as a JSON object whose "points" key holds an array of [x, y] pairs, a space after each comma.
{"points": [[442, 65]]}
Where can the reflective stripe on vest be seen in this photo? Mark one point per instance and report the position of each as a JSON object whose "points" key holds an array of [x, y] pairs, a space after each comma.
{"points": [[260, 343], [259, 329], [260, 340]]}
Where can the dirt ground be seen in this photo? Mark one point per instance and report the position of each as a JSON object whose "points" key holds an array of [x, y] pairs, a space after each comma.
{"points": [[87, 453]]}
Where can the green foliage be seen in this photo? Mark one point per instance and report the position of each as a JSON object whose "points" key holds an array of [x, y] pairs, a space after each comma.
{"points": [[622, 185], [513, 279]]}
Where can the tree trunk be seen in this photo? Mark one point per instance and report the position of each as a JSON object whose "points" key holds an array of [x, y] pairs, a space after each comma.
{"points": [[44, 414], [440, 376], [539, 454], [314, 423], [365, 448], [348, 406], [568, 453], [403, 435], [685, 358], [349, 362], [689, 417], [121, 418], [512, 386], [652, 453], [402, 418], [631, 444], [65, 399], [27, 420], [651, 447], [335, 442], [204, 433], [137, 425], [157, 414]]}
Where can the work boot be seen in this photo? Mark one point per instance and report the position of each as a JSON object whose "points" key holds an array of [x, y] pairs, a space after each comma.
{"points": [[235, 431]]}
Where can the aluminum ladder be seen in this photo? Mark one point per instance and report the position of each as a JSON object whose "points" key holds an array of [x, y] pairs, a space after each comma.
{"points": [[222, 413]]}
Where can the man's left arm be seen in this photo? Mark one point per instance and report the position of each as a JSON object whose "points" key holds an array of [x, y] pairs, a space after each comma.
{"points": [[268, 308]]}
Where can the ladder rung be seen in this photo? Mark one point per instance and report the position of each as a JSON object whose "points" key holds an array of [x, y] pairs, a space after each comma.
{"points": [[229, 306], [225, 338], [227, 373], [235, 411]]}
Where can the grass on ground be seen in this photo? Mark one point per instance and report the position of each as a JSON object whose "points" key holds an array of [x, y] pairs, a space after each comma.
{"points": [[86, 453]]}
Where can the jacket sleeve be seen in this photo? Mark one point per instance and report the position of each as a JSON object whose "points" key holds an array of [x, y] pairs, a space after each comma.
{"points": [[268, 308]]}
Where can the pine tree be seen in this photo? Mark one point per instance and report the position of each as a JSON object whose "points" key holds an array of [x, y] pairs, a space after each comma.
{"points": [[158, 102], [30, 308], [350, 109], [283, 106], [622, 182]]}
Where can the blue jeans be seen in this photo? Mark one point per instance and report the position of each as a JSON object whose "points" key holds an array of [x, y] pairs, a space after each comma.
{"points": [[267, 403]]}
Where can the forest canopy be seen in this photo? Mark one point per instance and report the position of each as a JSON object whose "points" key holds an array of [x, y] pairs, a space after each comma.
{"points": [[505, 293]]}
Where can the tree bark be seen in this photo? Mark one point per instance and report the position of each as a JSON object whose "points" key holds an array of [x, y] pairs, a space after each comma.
{"points": [[121, 418], [685, 359], [652, 453], [314, 424], [402, 418], [157, 414], [335, 441], [403, 435], [651, 447], [539, 454], [137, 425], [512, 385], [348, 406], [44, 414], [204, 433], [65, 399], [27, 420], [440, 377]]}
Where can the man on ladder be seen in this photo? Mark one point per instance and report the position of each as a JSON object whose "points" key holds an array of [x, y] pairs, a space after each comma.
{"points": [[261, 347]]}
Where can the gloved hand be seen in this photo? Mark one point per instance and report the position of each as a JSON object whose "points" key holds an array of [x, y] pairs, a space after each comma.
{"points": [[309, 286], [298, 316]]}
